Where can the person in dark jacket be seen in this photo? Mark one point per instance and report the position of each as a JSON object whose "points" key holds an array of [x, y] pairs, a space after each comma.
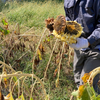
{"points": [[87, 48]]}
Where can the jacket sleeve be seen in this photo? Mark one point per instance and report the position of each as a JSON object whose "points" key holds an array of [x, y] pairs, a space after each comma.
{"points": [[67, 16], [94, 38]]}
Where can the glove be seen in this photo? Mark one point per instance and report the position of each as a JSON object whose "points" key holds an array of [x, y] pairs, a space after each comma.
{"points": [[81, 43]]}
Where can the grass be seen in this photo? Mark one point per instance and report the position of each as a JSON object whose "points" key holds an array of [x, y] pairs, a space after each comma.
{"points": [[33, 15]]}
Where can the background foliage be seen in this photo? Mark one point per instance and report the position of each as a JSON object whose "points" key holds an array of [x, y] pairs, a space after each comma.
{"points": [[26, 23]]}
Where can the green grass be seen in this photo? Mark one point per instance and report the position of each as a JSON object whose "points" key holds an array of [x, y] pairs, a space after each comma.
{"points": [[32, 13]]}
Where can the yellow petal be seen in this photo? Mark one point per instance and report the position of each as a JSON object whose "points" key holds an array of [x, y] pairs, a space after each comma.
{"points": [[85, 77], [81, 89]]}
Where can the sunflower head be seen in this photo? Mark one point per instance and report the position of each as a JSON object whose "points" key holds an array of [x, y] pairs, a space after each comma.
{"points": [[67, 31], [73, 28], [60, 24], [49, 24]]}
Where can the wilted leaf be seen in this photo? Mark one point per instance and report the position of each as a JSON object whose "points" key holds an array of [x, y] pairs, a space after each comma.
{"points": [[36, 61], [41, 48], [5, 81], [18, 61], [67, 70], [39, 54], [55, 72], [57, 82], [57, 58], [49, 24]]}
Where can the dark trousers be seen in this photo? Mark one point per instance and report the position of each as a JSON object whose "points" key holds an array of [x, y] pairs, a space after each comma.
{"points": [[84, 62]]}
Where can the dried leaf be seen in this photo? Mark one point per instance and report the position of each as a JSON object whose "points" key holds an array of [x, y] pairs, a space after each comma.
{"points": [[18, 61], [5, 82], [49, 24], [36, 61], [67, 70], [14, 32], [41, 48], [31, 48], [55, 72], [39, 54], [57, 82], [57, 58]]}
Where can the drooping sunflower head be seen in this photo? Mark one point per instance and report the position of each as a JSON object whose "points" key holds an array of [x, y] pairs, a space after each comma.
{"points": [[67, 31], [60, 24], [72, 31], [73, 28], [49, 24]]}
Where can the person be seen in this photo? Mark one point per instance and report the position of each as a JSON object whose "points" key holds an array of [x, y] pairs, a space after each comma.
{"points": [[87, 48]]}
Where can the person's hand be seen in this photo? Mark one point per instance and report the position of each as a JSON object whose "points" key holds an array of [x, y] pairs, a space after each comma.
{"points": [[81, 43]]}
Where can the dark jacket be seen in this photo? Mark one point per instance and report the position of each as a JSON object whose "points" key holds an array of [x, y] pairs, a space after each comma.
{"points": [[87, 13]]}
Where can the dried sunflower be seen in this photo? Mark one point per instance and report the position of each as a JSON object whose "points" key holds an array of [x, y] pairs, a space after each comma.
{"points": [[67, 31], [49, 24], [60, 24]]}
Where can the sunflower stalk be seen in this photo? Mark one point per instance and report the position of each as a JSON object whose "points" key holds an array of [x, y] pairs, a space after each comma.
{"points": [[93, 74]]}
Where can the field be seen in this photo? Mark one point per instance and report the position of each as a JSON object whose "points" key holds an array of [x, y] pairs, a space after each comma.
{"points": [[34, 64]]}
